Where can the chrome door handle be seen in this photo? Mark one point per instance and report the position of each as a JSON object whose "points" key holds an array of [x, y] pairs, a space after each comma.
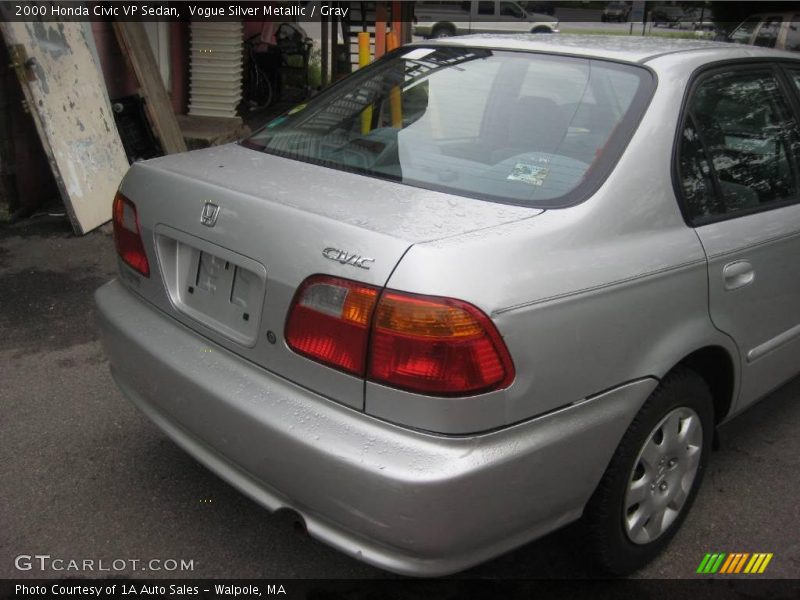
{"points": [[737, 275]]}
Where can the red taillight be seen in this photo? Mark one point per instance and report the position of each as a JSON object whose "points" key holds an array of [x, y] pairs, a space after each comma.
{"points": [[329, 322], [430, 345], [436, 346], [128, 235]]}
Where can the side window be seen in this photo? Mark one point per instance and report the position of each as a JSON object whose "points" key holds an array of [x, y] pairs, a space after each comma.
{"points": [[509, 9], [739, 146], [793, 34], [768, 33], [486, 8]]}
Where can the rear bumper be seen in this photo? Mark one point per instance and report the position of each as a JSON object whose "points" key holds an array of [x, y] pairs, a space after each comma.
{"points": [[405, 501]]}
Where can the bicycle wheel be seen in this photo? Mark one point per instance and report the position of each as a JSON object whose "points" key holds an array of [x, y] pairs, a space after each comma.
{"points": [[259, 90]]}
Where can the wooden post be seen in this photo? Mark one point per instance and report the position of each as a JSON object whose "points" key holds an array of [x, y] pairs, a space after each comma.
{"points": [[133, 41]]}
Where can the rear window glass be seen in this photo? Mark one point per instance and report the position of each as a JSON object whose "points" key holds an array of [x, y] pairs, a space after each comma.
{"points": [[514, 127]]}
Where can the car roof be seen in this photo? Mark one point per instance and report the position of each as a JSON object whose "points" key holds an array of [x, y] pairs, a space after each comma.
{"points": [[636, 49]]}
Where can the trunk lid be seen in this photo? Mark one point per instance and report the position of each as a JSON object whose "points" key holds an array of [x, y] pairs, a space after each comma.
{"points": [[278, 221]]}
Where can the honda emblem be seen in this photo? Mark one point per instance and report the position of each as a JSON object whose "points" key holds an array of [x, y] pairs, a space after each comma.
{"points": [[209, 215]]}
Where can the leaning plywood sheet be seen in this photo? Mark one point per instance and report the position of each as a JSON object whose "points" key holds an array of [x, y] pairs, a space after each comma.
{"points": [[133, 41], [65, 92]]}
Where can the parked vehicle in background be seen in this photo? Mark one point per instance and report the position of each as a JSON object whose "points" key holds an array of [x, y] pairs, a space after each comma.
{"points": [[770, 30], [477, 290], [446, 19], [616, 11]]}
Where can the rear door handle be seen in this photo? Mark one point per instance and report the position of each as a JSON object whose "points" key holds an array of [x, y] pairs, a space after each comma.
{"points": [[738, 275]]}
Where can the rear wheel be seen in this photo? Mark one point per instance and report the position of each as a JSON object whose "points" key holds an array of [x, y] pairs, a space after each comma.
{"points": [[654, 475]]}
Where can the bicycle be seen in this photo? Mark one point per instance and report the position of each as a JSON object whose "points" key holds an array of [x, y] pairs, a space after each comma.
{"points": [[256, 84]]}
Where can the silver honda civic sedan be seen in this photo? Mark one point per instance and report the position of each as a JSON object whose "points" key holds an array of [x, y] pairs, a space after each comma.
{"points": [[480, 289]]}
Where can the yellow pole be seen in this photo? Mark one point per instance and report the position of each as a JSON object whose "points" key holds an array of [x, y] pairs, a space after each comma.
{"points": [[395, 100], [363, 61]]}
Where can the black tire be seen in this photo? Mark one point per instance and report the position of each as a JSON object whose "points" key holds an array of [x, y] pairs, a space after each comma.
{"points": [[541, 30], [609, 543], [442, 31]]}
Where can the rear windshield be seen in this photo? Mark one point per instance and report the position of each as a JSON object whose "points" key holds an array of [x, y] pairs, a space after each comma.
{"points": [[517, 127]]}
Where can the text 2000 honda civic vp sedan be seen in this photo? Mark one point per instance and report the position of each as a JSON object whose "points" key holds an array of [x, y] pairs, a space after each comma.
{"points": [[473, 292]]}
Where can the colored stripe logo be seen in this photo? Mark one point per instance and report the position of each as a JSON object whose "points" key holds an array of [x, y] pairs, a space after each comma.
{"points": [[735, 562]]}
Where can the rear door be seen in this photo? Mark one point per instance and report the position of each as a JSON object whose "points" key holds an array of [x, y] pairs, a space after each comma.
{"points": [[738, 169]]}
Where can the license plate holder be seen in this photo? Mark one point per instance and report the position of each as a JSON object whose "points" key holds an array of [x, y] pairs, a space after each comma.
{"points": [[213, 285]]}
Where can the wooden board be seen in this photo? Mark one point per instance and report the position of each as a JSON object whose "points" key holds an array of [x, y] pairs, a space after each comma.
{"points": [[66, 95], [133, 41]]}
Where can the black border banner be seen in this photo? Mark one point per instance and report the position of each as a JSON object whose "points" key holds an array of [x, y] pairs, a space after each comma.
{"points": [[700, 588], [272, 10]]}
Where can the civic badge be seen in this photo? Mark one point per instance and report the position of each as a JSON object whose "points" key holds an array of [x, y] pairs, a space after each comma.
{"points": [[209, 215], [347, 258]]}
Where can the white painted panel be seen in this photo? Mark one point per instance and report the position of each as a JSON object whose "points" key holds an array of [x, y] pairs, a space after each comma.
{"points": [[67, 94]]}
